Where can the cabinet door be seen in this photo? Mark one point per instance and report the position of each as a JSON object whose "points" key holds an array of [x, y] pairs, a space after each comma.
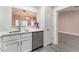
{"points": [[11, 47], [26, 45], [0, 49]]}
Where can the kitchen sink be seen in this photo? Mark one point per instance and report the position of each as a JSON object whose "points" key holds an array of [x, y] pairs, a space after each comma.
{"points": [[14, 31], [18, 31]]}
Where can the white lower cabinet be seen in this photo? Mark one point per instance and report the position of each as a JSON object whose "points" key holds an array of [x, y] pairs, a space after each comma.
{"points": [[26, 45], [18, 43], [0, 45], [11, 47], [0, 49]]}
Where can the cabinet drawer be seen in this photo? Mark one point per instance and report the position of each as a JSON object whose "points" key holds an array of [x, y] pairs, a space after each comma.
{"points": [[26, 35], [10, 38], [29, 38]]}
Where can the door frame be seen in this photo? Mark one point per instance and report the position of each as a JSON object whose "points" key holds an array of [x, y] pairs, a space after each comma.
{"points": [[55, 23]]}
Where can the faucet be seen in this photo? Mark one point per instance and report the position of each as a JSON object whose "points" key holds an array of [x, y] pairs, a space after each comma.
{"points": [[19, 29]]}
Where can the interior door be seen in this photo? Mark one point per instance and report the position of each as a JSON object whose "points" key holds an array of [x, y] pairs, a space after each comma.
{"points": [[49, 26], [49, 29]]}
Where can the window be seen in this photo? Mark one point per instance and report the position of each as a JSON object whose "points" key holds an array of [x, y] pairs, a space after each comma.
{"points": [[23, 17]]}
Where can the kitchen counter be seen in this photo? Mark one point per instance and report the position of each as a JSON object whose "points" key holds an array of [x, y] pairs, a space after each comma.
{"points": [[30, 30], [24, 39]]}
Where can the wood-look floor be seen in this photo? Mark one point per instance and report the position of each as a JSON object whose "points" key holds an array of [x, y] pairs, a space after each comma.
{"points": [[50, 48], [69, 43]]}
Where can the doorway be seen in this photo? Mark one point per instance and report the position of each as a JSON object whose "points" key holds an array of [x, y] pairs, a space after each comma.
{"points": [[68, 29]]}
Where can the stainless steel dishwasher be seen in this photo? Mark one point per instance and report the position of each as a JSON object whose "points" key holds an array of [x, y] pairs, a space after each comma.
{"points": [[37, 40]]}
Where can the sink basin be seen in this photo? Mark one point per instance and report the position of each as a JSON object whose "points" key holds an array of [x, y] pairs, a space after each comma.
{"points": [[18, 31], [14, 31]]}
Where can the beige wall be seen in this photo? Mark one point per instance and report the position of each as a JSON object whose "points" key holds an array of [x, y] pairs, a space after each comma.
{"points": [[69, 22]]}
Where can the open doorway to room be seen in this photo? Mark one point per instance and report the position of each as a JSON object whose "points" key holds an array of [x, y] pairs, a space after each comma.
{"points": [[68, 29]]}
